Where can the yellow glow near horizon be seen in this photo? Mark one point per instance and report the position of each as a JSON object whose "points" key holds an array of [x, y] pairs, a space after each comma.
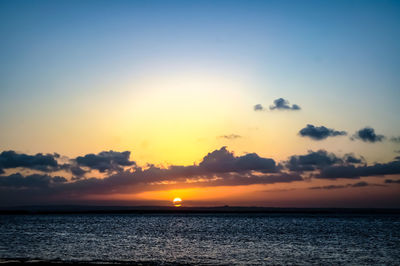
{"points": [[175, 119], [199, 193]]}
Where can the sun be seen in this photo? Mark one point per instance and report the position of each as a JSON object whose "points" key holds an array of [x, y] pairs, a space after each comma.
{"points": [[177, 202]]}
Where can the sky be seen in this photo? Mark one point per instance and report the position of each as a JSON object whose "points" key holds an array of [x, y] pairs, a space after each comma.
{"points": [[248, 103]]}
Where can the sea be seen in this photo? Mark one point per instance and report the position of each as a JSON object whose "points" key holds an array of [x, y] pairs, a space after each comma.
{"points": [[202, 239]]}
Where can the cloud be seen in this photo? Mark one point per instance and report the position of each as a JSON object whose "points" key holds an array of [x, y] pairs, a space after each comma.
{"points": [[359, 184], [351, 159], [105, 161], [320, 133], [77, 171], [247, 178], [282, 104], [230, 137], [324, 165], [319, 160], [224, 161], [40, 162], [328, 187], [312, 161], [218, 168], [355, 172], [31, 181], [367, 134], [391, 181], [258, 107], [43, 162], [395, 139]]}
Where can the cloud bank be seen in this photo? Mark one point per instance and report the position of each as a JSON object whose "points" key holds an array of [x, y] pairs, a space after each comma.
{"points": [[220, 167]]}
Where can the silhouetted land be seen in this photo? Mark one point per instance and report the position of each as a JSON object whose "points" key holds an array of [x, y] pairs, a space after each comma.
{"points": [[79, 209]]}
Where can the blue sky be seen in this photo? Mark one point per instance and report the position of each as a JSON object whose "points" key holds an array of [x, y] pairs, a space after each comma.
{"points": [[338, 57]]}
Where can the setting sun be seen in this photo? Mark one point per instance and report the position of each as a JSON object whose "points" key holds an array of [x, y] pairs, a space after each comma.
{"points": [[177, 202]]}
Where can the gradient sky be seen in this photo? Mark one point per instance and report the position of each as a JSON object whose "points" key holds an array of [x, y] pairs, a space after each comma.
{"points": [[172, 81]]}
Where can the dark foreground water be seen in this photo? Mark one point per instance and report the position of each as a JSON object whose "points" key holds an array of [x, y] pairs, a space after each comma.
{"points": [[204, 239]]}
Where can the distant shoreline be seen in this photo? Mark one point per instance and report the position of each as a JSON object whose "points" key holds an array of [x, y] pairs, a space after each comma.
{"points": [[38, 210]]}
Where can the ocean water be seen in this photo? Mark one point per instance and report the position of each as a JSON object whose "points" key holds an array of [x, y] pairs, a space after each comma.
{"points": [[209, 239]]}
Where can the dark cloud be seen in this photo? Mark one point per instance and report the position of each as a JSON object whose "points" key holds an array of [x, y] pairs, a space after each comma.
{"points": [[328, 187], [231, 136], [391, 181], [77, 171], [395, 139], [351, 171], [258, 107], [218, 164], [351, 159], [368, 134], [235, 179], [282, 104], [320, 133], [218, 168], [41, 162], [312, 161], [106, 161], [31, 181], [359, 184], [224, 161], [321, 159], [326, 165]]}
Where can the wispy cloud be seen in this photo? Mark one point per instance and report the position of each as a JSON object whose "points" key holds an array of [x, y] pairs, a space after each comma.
{"points": [[230, 137], [359, 184], [395, 139], [391, 181], [258, 107]]}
